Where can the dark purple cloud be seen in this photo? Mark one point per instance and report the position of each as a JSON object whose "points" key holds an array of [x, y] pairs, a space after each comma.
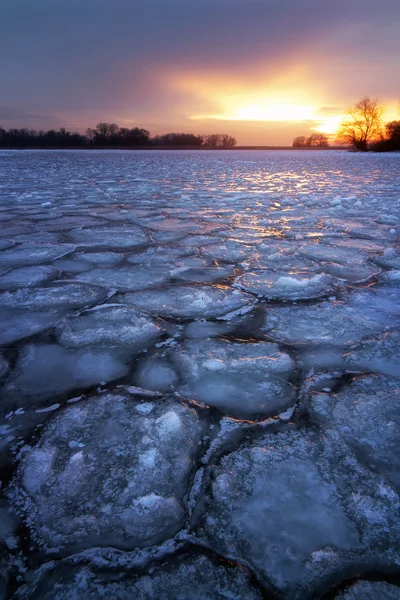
{"points": [[79, 57]]}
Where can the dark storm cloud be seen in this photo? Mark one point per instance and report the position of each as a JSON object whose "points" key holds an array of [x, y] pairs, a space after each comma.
{"points": [[107, 55]]}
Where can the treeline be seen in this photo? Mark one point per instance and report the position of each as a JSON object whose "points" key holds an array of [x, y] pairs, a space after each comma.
{"points": [[315, 140], [391, 141], [108, 135]]}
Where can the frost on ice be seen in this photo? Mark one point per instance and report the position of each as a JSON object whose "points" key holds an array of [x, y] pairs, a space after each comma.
{"points": [[124, 486]]}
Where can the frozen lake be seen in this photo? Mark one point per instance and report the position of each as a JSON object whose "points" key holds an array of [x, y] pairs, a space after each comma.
{"points": [[199, 370]]}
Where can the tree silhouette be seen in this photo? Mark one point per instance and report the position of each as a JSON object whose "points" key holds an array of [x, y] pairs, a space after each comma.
{"points": [[218, 140], [178, 139], [108, 135], [315, 140], [363, 124], [299, 141], [392, 141], [393, 130]]}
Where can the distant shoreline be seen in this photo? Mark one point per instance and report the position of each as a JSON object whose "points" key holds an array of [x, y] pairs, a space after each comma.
{"points": [[152, 148]]}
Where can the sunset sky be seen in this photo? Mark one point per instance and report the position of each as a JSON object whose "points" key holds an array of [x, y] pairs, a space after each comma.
{"points": [[261, 70]]}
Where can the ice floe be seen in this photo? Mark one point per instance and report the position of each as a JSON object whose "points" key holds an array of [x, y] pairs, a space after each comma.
{"points": [[124, 486], [243, 380], [280, 286], [298, 507], [109, 326], [191, 302]]}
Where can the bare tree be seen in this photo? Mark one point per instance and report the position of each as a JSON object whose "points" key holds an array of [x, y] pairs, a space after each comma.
{"points": [[212, 140], [299, 142], [227, 141], [218, 140], [317, 140], [363, 124], [393, 130]]}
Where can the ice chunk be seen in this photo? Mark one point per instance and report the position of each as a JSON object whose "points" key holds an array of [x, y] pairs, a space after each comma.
{"points": [[204, 240], [204, 329], [275, 286], [378, 354], [101, 258], [358, 273], [71, 265], [64, 296], [33, 254], [127, 279], [390, 259], [336, 254], [66, 222], [17, 324], [242, 380], [298, 507], [109, 237], [393, 276], [388, 219], [39, 236], [373, 301], [156, 374], [27, 277], [162, 223], [229, 251], [185, 578], [45, 370], [366, 415], [159, 255], [109, 326], [328, 323], [104, 494], [190, 302], [162, 237], [201, 274]]}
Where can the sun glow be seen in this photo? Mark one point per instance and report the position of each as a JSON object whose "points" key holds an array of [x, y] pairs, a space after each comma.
{"points": [[285, 100], [267, 112], [280, 113], [329, 125]]}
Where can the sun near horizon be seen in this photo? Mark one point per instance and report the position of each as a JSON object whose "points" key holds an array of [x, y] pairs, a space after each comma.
{"points": [[263, 72]]}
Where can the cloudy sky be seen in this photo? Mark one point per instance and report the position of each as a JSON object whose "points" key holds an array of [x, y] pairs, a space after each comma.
{"points": [[261, 70]]}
